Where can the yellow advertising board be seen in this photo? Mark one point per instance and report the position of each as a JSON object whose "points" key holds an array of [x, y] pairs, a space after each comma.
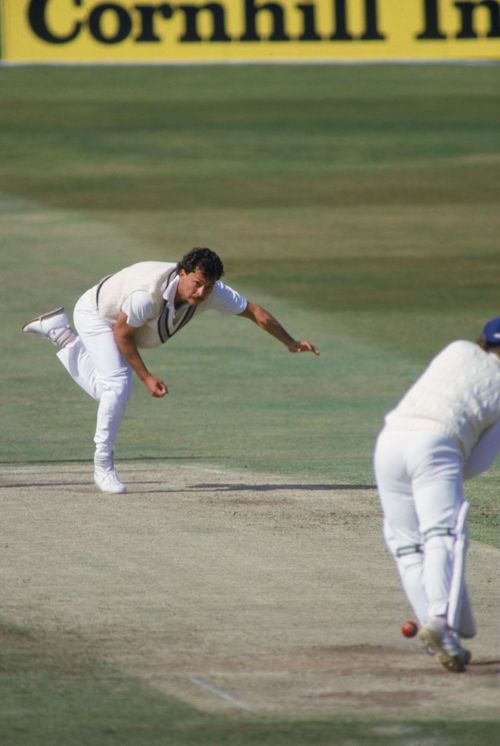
{"points": [[249, 30]]}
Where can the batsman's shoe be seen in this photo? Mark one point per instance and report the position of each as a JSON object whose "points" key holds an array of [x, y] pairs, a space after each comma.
{"points": [[54, 325], [105, 476], [445, 645], [464, 655]]}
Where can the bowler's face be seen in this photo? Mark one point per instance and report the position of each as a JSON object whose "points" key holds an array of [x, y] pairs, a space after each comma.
{"points": [[193, 287]]}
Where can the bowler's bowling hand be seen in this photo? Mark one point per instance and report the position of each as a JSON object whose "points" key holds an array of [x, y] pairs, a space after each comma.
{"points": [[303, 346], [156, 386]]}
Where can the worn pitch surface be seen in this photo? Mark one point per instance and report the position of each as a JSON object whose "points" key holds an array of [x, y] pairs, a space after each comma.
{"points": [[234, 591]]}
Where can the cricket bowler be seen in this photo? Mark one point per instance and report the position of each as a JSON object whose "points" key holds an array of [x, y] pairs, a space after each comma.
{"points": [[141, 306]]}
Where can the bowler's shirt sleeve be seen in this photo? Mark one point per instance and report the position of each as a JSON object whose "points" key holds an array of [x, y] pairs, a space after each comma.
{"points": [[225, 300], [139, 308]]}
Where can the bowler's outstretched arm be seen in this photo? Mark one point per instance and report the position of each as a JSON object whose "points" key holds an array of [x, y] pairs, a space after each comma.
{"points": [[269, 324]]}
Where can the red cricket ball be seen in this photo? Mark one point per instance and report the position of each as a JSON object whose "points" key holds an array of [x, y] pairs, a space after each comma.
{"points": [[409, 628]]}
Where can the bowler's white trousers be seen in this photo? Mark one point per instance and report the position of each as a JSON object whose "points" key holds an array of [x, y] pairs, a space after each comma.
{"points": [[96, 364], [419, 476]]}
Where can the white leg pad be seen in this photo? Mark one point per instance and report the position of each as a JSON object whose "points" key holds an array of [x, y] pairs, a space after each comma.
{"points": [[410, 566], [411, 569], [438, 569]]}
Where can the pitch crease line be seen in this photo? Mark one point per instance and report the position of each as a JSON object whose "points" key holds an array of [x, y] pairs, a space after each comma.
{"points": [[220, 693]]}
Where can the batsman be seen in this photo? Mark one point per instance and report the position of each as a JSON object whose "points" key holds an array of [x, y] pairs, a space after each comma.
{"points": [[445, 429], [141, 306]]}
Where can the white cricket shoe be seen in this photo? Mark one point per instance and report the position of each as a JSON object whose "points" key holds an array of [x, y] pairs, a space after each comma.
{"points": [[54, 325], [105, 475], [463, 654], [445, 645]]}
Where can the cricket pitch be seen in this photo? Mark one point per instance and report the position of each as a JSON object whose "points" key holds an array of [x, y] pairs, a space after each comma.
{"points": [[235, 591]]}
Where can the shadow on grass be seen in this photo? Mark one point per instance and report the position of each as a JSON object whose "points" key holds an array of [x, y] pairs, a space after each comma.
{"points": [[214, 487], [201, 487]]}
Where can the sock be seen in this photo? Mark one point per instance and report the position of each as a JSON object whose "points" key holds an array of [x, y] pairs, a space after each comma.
{"points": [[61, 336]]}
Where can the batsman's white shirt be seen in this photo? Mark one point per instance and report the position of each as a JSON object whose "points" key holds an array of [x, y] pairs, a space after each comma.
{"points": [[458, 394]]}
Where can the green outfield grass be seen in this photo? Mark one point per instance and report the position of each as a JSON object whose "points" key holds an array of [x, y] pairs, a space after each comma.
{"points": [[359, 204]]}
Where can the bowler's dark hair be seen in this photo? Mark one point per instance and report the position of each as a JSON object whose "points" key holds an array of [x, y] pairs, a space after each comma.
{"points": [[204, 260]]}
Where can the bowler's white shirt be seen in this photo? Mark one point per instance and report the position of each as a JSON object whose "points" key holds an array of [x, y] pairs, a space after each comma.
{"points": [[139, 306]]}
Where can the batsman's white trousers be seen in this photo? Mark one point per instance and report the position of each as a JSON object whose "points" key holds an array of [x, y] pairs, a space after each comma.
{"points": [[419, 477], [95, 363]]}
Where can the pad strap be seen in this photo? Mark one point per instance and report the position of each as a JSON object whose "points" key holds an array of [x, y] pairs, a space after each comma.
{"points": [[438, 531], [410, 549]]}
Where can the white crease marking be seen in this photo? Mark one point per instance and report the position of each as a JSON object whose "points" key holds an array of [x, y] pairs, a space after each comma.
{"points": [[220, 693]]}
